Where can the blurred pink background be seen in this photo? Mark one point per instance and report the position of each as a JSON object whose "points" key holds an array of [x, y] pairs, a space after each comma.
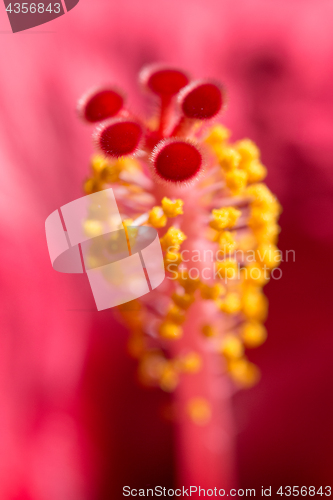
{"points": [[74, 424]]}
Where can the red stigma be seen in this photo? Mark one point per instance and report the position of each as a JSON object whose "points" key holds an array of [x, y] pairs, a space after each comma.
{"points": [[164, 81], [119, 137], [177, 161], [201, 100], [100, 104]]}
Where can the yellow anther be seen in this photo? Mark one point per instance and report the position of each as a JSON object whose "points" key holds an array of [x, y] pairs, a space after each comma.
{"points": [[91, 186], [268, 255], [231, 304], [267, 234], [157, 218], [128, 164], [248, 150], [170, 330], [217, 135], [109, 174], [227, 268], [236, 181], [172, 208], [172, 258], [253, 334], [260, 218], [209, 331], [189, 284], [243, 373], [231, 347], [169, 377], [127, 222], [255, 170], [183, 301], [256, 274], [247, 242], [226, 242], [175, 315], [225, 217], [131, 233], [229, 158], [199, 411], [211, 292], [255, 304], [98, 164], [263, 198], [93, 228], [173, 238], [191, 362]]}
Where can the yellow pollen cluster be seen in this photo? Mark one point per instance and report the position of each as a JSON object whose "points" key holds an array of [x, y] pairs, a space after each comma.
{"points": [[155, 369], [183, 301], [243, 372], [175, 314], [211, 292], [190, 362], [231, 304], [173, 238], [242, 297], [189, 284], [217, 136], [107, 171], [229, 158], [240, 161], [253, 334], [236, 181], [158, 216], [227, 242], [209, 331], [172, 208], [234, 298], [172, 258], [225, 217], [170, 330], [227, 268], [231, 347]]}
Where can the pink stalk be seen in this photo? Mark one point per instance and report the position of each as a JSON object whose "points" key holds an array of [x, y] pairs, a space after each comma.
{"points": [[205, 453]]}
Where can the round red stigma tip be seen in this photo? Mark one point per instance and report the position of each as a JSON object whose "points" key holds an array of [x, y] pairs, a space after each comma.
{"points": [[177, 161], [101, 104], [119, 137], [165, 82], [201, 100]]}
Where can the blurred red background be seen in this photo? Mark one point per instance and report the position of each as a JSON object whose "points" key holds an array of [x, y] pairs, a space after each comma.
{"points": [[73, 423]]}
